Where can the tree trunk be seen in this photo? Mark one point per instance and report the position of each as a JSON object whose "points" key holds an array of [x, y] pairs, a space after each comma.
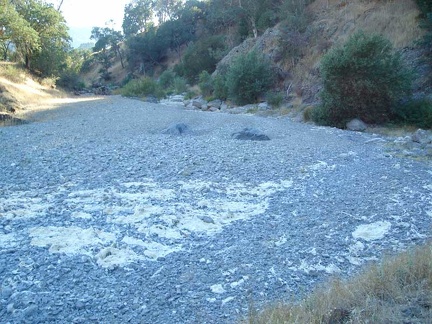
{"points": [[27, 62]]}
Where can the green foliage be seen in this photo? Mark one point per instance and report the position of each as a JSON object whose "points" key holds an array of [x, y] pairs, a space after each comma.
{"points": [[275, 99], [39, 33], [180, 85], [415, 112], [107, 47], [166, 79], [248, 77], [425, 7], [137, 17], [363, 79], [142, 87], [203, 56], [220, 89], [205, 83], [295, 16]]}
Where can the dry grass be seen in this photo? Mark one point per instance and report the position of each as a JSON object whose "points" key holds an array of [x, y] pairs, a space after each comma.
{"points": [[395, 20], [336, 20], [396, 290]]}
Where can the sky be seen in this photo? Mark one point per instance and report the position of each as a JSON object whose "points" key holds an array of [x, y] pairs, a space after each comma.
{"points": [[82, 15]]}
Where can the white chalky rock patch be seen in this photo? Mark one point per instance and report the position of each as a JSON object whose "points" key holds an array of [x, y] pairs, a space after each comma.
{"points": [[19, 206], [69, 240], [8, 240], [373, 231], [306, 267], [217, 289], [81, 215], [160, 216], [111, 257]]}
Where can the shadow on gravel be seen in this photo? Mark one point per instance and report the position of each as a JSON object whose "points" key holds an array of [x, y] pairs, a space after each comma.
{"points": [[8, 120]]}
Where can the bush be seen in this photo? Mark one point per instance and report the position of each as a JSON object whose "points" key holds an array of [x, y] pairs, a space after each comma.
{"points": [[363, 79], [180, 85], [142, 87], [416, 112], [275, 99], [205, 83], [166, 79], [248, 77], [220, 90]]}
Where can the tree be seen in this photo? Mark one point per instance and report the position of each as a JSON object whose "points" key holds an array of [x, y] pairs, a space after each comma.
{"points": [[48, 51], [107, 46], [167, 9], [14, 29], [138, 17]]}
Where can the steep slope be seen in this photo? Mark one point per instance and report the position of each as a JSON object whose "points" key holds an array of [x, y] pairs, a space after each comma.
{"points": [[297, 55]]}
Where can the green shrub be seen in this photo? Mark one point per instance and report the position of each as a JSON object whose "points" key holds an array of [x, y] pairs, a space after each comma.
{"points": [[70, 80], [180, 85], [220, 90], [202, 56], [363, 79], [142, 87], [275, 99], [166, 79], [205, 83], [417, 112], [248, 77]]}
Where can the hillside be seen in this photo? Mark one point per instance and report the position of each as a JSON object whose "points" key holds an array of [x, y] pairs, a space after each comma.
{"points": [[296, 53], [20, 93]]}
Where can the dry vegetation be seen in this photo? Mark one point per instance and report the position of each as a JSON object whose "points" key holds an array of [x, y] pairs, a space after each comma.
{"points": [[335, 20], [396, 290]]}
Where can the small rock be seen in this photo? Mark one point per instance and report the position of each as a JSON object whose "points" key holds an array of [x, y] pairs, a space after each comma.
{"points": [[422, 136], [263, 106], [207, 219], [250, 134], [356, 125], [176, 129]]}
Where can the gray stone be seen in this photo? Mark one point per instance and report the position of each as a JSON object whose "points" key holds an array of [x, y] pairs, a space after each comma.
{"points": [[207, 219], [151, 99], [356, 125], [176, 98], [422, 136], [199, 103], [250, 134], [263, 106], [176, 129], [215, 104]]}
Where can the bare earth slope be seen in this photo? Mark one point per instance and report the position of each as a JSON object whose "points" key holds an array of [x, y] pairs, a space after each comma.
{"points": [[104, 218]]}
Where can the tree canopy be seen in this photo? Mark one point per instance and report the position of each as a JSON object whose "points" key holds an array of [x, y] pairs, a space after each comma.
{"points": [[37, 31]]}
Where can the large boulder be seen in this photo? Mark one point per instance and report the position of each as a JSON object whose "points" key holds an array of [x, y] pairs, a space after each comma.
{"points": [[356, 125]]}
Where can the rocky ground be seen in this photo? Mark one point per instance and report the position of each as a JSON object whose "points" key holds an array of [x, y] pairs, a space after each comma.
{"points": [[116, 210]]}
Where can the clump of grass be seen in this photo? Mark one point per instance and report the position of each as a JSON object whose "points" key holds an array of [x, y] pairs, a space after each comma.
{"points": [[12, 73], [275, 99], [396, 290]]}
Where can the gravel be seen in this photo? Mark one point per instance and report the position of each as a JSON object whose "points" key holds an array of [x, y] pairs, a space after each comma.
{"points": [[107, 218]]}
